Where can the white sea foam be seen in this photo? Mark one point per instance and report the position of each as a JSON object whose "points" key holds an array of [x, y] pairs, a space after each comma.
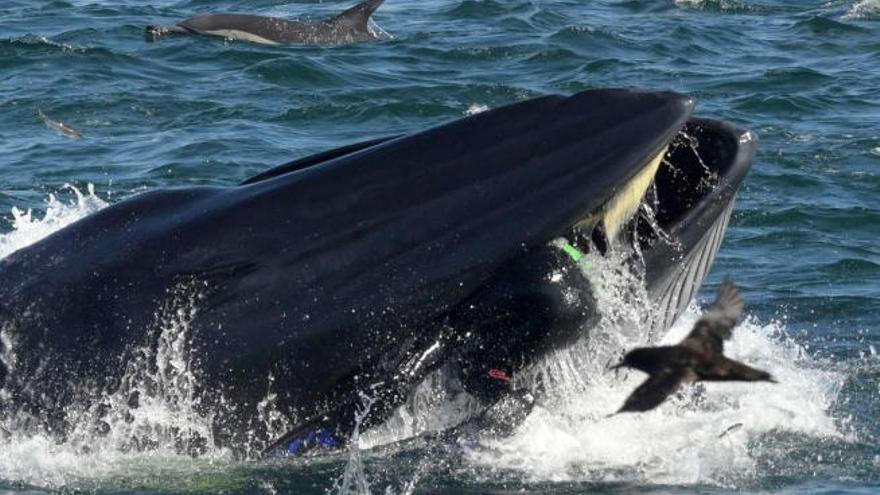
{"points": [[678, 443], [865, 10], [706, 434], [476, 108], [378, 31], [29, 227], [722, 5]]}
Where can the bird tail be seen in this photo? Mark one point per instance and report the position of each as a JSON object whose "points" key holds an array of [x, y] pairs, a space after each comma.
{"points": [[727, 369]]}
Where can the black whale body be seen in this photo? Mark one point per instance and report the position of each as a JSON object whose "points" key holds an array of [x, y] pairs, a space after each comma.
{"points": [[354, 270]]}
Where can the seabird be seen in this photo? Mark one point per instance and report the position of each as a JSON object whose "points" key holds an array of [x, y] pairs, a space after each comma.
{"points": [[699, 357]]}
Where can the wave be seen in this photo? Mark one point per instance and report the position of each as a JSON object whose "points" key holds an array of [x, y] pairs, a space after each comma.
{"points": [[825, 25], [33, 42], [469, 9], [726, 6]]}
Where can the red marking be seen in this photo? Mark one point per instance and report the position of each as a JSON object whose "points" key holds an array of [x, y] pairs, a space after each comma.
{"points": [[499, 375]]}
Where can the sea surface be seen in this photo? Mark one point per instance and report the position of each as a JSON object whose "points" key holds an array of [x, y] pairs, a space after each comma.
{"points": [[804, 240]]}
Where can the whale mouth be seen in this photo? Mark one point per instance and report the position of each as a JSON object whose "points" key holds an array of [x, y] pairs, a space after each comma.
{"points": [[603, 227], [704, 162]]}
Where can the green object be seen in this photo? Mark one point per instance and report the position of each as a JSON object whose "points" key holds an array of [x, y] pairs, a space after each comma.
{"points": [[576, 255], [573, 252]]}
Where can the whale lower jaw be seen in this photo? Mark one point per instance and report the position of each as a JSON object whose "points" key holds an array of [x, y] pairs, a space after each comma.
{"points": [[675, 292]]}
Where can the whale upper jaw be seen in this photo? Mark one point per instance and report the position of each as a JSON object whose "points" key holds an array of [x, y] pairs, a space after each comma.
{"points": [[520, 175]]}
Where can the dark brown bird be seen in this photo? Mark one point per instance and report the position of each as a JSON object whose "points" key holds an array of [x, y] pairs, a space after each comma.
{"points": [[698, 357]]}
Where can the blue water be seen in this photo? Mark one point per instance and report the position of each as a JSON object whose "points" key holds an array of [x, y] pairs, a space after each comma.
{"points": [[804, 241]]}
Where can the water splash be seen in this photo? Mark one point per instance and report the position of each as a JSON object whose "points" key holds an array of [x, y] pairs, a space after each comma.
{"points": [[710, 178], [354, 480], [439, 402], [707, 434], [378, 31], [152, 417], [156, 405], [275, 423], [29, 228], [693, 438], [868, 10], [476, 108], [42, 41]]}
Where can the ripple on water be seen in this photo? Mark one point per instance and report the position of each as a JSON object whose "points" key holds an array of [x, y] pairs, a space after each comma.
{"points": [[825, 25], [725, 6], [474, 9]]}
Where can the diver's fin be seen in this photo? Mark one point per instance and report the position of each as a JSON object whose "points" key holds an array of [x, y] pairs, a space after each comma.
{"points": [[357, 16], [314, 432]]}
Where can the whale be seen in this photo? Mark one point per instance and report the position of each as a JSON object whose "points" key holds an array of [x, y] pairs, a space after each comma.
{"points": [[350, 26], [358, 271]]}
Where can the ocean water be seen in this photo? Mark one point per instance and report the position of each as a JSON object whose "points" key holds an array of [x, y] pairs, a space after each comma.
{"points": [[804, 240]]}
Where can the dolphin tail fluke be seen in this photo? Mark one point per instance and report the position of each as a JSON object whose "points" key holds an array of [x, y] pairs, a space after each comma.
{"points": [[359, 15]]}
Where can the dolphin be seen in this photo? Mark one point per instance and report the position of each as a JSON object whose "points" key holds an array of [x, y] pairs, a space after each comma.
{"points": [[350, 26], [64, 129], [360, 270]]}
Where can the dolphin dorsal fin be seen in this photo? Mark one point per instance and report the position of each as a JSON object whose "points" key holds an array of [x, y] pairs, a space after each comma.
{"points": [[358, 15]]}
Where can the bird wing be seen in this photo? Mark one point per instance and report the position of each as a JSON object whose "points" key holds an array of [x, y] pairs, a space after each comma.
{"points": [[653, 391], [716, 324]]}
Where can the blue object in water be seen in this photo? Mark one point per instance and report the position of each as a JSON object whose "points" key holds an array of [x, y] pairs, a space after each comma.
{"points": [[314, 439]]}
